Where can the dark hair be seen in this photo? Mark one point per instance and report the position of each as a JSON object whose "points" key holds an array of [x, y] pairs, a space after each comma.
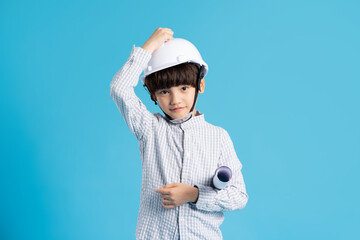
{"points": [[181, 74]]}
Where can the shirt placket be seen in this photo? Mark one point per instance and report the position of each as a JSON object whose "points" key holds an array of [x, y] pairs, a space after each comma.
{"points": [[180, 134], [183, 176]]}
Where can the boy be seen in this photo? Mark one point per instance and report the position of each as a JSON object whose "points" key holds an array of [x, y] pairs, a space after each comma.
{"points": [[179, 151]]}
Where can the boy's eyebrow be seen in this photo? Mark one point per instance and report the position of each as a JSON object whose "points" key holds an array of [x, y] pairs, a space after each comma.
{"points": [[161, 89]]}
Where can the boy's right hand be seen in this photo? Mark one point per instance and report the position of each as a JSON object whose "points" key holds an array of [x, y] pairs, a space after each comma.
{"points": [[159, 36]]}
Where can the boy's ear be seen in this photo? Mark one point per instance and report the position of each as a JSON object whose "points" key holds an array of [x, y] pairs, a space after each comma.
{"points": [[202, 86]]}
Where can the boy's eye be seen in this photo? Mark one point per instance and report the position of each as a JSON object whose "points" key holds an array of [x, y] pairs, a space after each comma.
{"points": [[163, 92], [184, 88]]}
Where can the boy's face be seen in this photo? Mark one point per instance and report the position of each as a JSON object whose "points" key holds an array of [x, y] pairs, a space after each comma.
{"points": [[177, 101]]}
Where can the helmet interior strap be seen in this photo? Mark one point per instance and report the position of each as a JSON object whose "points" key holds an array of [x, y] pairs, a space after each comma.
{"points": [[200, 76]]}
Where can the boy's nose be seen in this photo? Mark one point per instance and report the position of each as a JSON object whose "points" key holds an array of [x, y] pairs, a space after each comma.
{"points": [[175, 99]]}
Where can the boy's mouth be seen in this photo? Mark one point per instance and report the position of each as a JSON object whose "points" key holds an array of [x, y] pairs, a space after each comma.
{"points": [[177, 109]]}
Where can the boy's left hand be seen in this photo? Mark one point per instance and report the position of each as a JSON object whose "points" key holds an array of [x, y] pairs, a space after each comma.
{"points": [[176, 194]]}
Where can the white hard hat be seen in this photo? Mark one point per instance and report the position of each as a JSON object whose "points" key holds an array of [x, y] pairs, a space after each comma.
{"points": [[171, 53]]}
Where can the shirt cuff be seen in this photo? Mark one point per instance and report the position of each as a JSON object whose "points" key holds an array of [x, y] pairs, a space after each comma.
{"points": [[140, 56], [140, 51], [206, 197]]}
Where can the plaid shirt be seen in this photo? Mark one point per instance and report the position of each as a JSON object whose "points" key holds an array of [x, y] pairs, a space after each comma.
{"points": [[187, 151]]}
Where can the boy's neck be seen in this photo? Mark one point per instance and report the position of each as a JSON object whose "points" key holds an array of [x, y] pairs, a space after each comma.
{"points": [[183, 118]]}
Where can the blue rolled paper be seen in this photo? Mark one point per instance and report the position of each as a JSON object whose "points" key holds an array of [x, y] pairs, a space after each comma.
{"points": [[222, 177]]}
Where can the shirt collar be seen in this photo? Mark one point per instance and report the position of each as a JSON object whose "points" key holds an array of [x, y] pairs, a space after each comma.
{"points": [[187, 120], [180, 120]]}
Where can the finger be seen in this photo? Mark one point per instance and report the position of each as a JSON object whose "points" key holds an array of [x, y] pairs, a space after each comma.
{"points": [[170, 185], [168, 206], [161, 191], [166, 194], [168, 200], [165, 206], [167, 203], [167, 29], [164, 191], [169, 38]]}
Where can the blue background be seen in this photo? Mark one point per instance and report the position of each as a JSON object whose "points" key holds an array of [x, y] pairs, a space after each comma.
{"points": [[283, 81]]}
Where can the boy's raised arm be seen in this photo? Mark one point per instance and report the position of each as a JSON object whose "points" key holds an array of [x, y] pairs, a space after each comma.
{"points": [[136, 116], [234, 195]]}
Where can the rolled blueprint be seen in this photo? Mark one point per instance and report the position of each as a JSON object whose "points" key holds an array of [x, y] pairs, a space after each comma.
{"points": [[222, 177]]}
